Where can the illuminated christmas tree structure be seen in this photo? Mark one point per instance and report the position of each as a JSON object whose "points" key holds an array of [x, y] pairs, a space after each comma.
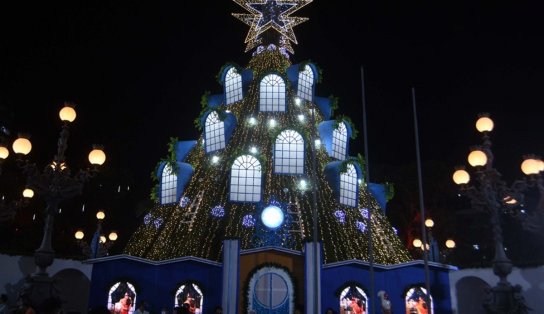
{"points": [[235, 209]]}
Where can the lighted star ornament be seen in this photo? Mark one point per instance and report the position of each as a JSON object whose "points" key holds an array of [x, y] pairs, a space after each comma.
{"points": [[271, 14]]}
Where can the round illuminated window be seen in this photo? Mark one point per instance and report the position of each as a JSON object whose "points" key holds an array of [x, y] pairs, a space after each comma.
{"points": [[272, 217]]}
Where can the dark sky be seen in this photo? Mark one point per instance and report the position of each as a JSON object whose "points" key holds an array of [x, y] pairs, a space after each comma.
{"points": [[137, 71]]}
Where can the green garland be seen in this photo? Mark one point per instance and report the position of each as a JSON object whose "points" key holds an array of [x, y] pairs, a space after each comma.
{"points": [[389, 191], [303, 64], [221, 114], [334, 103], [346, 119], [353, 160]]}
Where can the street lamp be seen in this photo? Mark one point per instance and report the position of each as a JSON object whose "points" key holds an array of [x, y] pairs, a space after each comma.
{"points": [[432, 245], [99, 245], [490, 194], [54, 184]]}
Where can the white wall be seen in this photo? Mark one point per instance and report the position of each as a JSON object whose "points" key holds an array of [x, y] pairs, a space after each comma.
{"points": [[530, 279], [13, 270]]}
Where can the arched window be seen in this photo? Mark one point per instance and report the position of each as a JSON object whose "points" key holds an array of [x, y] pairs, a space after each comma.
{"points": [[233, 86], [289, 153], [353, 297], [416, 301], [245, 179], [339, 141], [192, 294], [215, 133], [348, 186], [117, 292], [305, 83], [169, 185], [272, 93]]}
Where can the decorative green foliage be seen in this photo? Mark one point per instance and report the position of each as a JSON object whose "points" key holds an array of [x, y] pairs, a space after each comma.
{"points": [[389, 191], [334, 103], [353, 160], [319, 73], [205, 109], [346, 119]]}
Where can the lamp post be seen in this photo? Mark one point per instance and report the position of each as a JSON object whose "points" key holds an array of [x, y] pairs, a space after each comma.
{"points": [[432, 245], [99, 244], [54, 184], [8, 210], [490, 194]]}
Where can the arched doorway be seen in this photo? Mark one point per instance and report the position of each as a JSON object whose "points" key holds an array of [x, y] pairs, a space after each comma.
{"points": [[471, 292], [270, 291], [73, 284], [352, 298]]}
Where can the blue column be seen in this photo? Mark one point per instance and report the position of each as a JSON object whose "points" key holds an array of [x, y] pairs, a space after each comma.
{"points": [[231, 274], [312, 277]]}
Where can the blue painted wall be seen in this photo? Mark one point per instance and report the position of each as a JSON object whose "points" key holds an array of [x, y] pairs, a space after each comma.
{"points": [[156, 284]]}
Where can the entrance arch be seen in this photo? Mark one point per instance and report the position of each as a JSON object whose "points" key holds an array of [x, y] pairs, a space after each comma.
{"points": [[270, 291]]}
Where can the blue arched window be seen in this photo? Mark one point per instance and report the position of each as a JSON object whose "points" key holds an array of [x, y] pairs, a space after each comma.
{"points": [[348, 186], [289, 153], [169, 185], [233, 86], [272, 93], [306, 83], [245, 179], [215, 132], [415, 299], [340, 141]]}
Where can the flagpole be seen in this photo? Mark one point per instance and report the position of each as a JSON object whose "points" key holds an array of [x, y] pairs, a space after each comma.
{"points": [[421, 203], [367, 178]]}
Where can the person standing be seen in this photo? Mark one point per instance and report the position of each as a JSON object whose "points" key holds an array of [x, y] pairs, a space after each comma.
{"points": [[141, 308], [126, 304]]}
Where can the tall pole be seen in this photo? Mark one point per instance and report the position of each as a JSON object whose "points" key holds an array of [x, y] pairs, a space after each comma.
{"points": [[421, 204], [367, 180], [314, 216]]}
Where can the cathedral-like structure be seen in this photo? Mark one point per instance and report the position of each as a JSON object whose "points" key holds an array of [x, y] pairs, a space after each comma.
{"points": [[266, 211]]}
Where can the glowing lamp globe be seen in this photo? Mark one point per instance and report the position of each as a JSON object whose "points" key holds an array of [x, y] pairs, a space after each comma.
{"points": [[4, 152], [102, 239], [97, 156], [79, 235], [530, 166], [67, 113], [450, 244], [22, 146], [484, 124], [100, 215], [541, 165], [477, 158], [461, 176], [417, 243], [28, 193], [272, 217], [429, 223], [112, 236]]}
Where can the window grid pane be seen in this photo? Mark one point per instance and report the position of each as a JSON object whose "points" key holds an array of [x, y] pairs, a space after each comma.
{"points": [[169, 183], [245, 181], [289, 153], [215, 133], [305, 83], [272, 94], [348, 186], [233, 86], [339, 142]]}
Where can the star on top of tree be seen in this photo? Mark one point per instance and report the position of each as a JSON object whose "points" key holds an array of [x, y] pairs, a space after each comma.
{"points": [[271, 14]]}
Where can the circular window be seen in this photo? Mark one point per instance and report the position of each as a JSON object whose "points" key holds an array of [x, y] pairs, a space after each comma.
{"points": [[271, 290]]}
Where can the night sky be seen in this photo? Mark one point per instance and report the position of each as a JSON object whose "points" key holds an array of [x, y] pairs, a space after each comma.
{"points": [[137, 72]]}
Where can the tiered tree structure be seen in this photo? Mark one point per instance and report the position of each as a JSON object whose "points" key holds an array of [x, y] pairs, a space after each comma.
{"points": [[270, 155]]}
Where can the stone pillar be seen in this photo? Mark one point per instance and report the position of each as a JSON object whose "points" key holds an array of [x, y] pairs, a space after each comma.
{"points": [[231, 274]]}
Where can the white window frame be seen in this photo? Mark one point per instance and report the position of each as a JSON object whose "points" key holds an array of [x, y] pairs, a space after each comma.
{"points": [[246, 179], [340, 141], [306, 83], [289, 153], [348, 186], [272, 94], [233, 86], [169, 185], [214, 132]]}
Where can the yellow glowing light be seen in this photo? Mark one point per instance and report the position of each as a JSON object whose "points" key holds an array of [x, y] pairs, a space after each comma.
{"points": [[484, 124], [4, 152], [113, 236], [97, 156], [22, 146], [530, 166], [461, 176], [28, 193], [271, 14], [67, 113], [450, 244], [477, 158], [429, 223], [100, 215], [103, 239], [417, 242], [79, 235]]}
